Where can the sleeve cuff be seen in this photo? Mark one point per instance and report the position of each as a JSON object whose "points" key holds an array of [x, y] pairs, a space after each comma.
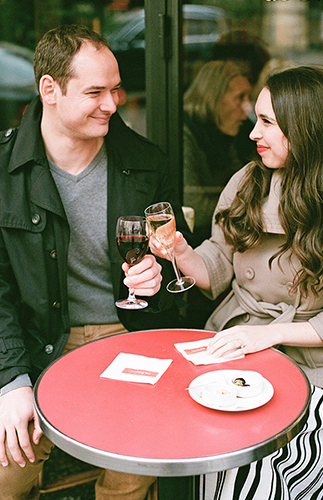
{"points": [[20, 381]]}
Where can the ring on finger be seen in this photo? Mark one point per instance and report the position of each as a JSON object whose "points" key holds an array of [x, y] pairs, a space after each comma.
{"points": [[241, 344]]}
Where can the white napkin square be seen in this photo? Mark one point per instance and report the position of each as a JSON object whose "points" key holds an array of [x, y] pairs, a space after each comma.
{"points": [[196, 352], [135, 368]]}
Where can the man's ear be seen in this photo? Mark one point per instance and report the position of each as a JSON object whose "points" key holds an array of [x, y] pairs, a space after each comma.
{"points": [[48, 89]]}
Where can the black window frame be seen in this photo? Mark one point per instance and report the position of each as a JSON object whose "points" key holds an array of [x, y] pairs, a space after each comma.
{"points": [[164, 86]]}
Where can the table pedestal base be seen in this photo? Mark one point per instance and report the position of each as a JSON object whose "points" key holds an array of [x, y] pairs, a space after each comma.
{"points": [[178, 488]]}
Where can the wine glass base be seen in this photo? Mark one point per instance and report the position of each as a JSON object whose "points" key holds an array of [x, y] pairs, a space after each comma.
{"points": [[176, 286], [131, 304]]}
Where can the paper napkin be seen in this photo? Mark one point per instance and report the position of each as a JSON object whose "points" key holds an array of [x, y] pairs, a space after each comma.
{"points": [[196, 352], [135, 368]]}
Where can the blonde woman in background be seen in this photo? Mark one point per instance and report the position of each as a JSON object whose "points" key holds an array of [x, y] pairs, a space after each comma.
{"points": [[216, 137]]}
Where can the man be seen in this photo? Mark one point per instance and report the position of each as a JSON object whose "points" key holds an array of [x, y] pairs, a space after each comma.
{"points": [[66, 175]]}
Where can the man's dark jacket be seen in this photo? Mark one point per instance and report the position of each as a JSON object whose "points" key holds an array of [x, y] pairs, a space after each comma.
{"points": [[34, 238]]}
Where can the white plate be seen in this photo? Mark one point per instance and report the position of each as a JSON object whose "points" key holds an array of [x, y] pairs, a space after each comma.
{"points": [[241, 404]]}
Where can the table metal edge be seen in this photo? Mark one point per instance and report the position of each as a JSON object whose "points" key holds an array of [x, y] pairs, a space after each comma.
{"points": [[170, 467], [173, 467]]}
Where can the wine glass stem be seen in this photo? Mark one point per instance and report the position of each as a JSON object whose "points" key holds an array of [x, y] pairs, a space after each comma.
{"points": [[178, 276], [131, 295]]}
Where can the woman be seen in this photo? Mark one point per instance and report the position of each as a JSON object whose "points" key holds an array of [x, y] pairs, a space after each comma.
{"points": [[216, 142], [267, 248]]}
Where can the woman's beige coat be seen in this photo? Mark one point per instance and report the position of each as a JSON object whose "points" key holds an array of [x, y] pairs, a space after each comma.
{"points": [[260, 294]]}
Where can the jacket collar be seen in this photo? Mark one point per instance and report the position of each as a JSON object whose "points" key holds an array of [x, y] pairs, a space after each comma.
{"points": [[269, 209], [29, 145], [29, 150]]}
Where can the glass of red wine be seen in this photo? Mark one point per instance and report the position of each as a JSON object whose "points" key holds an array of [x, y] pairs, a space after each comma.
{"points": [[132, 241]]}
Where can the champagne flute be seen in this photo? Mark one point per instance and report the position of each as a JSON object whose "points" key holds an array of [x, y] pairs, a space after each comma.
{"points": [[132, 241], [161, 220]]}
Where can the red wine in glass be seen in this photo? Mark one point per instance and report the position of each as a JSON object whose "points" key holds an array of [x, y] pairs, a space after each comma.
{"points": [[132, 241], [132, 248]]}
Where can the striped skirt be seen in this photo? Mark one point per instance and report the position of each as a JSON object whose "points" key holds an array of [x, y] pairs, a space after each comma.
{"points": [[294, 472]]}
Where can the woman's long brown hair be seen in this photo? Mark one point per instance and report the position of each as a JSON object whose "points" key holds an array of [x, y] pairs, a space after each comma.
{"points": [[297, 100]]}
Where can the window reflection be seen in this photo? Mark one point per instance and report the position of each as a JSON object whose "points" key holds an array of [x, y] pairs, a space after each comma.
{"points": [[258, 37], [292, 31]]}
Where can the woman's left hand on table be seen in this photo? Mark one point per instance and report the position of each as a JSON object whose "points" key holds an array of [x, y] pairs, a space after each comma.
{"points": [[244, 339], [240, 339]]}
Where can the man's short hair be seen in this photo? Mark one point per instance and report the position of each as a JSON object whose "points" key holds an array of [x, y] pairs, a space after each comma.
{"points": [[55, 51]]}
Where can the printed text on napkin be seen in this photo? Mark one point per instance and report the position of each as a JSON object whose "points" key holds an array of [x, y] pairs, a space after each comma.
{"points": [[136, 368]]}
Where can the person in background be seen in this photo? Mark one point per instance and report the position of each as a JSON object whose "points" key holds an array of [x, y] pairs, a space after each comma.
{"points": [[248, 51], [245, 49], [215, 106], [66, 175], [267, 248]]}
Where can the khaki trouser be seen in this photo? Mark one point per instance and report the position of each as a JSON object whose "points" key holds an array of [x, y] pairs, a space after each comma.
{"points": [[17, 483]]}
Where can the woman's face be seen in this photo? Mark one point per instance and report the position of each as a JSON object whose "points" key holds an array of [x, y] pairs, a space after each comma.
{"points": [[272, 145], [235, 105]]}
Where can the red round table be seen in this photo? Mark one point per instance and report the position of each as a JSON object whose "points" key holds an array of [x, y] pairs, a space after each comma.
{"points": [[159, 429]]}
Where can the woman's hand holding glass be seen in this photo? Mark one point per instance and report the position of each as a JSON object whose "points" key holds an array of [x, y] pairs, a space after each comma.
{"points": [[161, 221], [159, 250], [188, 261]]}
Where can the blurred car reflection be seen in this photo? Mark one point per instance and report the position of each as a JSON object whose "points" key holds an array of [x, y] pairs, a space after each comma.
{"points": [[125, 32], [17, 84]]}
